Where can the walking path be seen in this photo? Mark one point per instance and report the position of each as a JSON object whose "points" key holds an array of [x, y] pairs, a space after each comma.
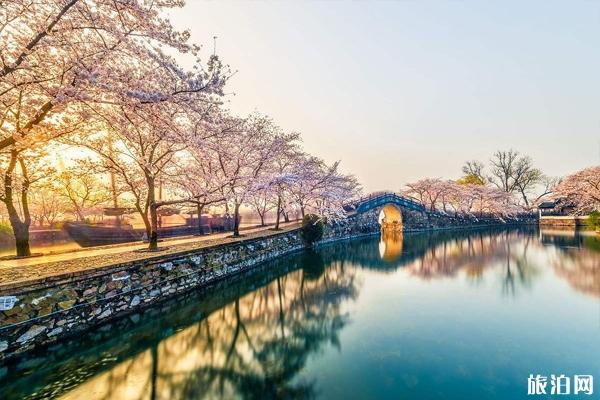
{"points": [[14, 272]]}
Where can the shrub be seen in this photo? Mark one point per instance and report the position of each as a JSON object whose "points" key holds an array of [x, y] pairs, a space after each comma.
{"points": [[58, 225], [312, 228], [5, 228], [594, 220]]}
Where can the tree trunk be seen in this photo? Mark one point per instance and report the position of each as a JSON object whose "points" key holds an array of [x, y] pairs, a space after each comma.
{"points": [[525, 198], [199, 208], [153, 238], [236, 220], [80, 216], [302, 211], [146, 220], [20, 228], [278, 212], [21, 233], [286, 215], [153, 231]]}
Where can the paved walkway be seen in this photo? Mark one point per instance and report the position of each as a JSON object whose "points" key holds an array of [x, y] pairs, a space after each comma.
{"points": [[15, 272]]}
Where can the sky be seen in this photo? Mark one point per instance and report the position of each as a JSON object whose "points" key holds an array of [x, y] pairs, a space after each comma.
{"points": [[404, 90]]}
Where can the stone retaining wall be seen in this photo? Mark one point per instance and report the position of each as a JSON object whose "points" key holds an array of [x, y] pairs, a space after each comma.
{"points": [[35, 315], [414, 221], [41, 312], [566, 221]]}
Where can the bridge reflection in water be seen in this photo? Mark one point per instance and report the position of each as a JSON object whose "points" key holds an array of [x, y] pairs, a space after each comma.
{"points": [[253, 336], [390, 245]]}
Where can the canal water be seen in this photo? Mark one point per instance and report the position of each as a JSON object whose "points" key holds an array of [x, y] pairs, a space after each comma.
{"points": [[448, 315]]}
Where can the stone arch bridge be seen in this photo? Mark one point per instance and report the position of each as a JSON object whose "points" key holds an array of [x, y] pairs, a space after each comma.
{"points": [[391, 212]]}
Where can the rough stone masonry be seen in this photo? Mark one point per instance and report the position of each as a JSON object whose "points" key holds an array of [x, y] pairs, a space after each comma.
{"points": [[34, 315]]}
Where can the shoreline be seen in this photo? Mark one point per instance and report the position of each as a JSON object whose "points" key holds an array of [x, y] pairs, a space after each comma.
{"points": [[52, 308]]}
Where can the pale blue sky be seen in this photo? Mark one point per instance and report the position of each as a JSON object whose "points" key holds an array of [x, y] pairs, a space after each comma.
{"points": [[403, 90]]}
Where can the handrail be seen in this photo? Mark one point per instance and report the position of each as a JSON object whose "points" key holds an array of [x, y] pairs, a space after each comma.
{"points": [[375, 195], [380, 197], [384, 196]]}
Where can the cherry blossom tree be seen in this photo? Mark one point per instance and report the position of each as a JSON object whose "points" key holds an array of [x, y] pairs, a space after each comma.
{"points": [[282, 173], [493, 201], [65, 62], [60, 56], [460, 198], [313, 179], [145, 138], [198, 178], [581, 188], [337, 189], [271, 188], [23, 169], [81, 189], [244, 159], [428, 191], [147, 142], [47, 206], [261, 201], [320, 187]]}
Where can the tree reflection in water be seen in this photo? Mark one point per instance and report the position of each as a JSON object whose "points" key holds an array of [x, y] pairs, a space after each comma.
{"points": [[255, 346], [252, 336], [446, 254], [251, 347], [577, 259], [506, 251]]}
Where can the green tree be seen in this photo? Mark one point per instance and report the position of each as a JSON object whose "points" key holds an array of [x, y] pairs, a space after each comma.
{"points": [[594, 220], [471, 179], [312, 228]]}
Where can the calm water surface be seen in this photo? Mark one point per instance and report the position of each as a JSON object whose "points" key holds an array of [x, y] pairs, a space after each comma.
{"points": [[446, 315]]}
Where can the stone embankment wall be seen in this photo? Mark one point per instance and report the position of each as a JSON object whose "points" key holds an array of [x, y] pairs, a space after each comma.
{"points": [[563, 222], [36, 313], [41, 312], [414, 221]]}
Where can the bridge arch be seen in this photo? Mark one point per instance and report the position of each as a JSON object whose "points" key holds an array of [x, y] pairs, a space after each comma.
{"points": [[390, 218], [384, 211]]}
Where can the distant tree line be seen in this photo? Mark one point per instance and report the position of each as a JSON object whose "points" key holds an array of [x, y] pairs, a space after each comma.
{"points": [[507, 185]]}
